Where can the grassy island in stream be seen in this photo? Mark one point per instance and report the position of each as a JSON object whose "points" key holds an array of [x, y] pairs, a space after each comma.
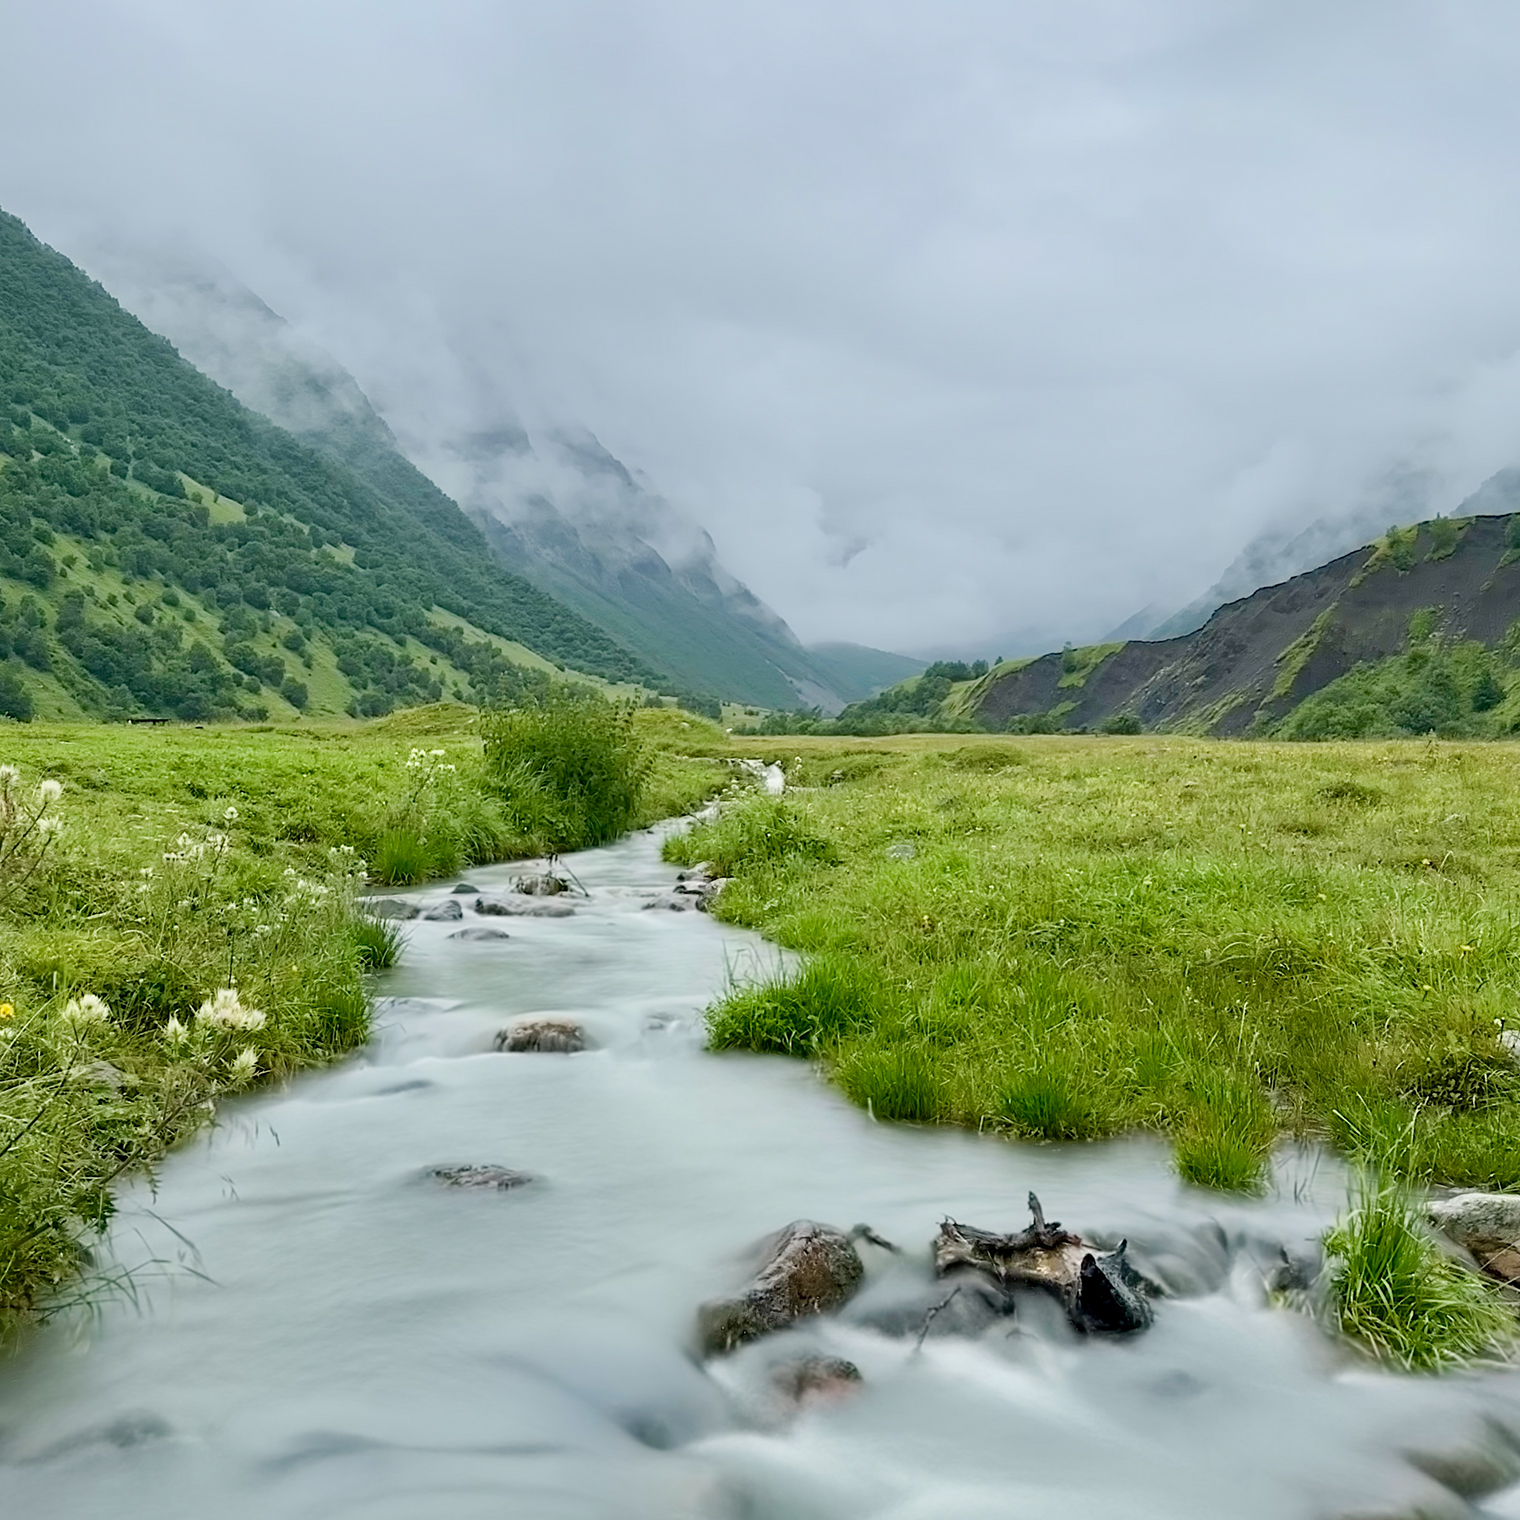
{"points": [[190, 929], [1068, 938]]}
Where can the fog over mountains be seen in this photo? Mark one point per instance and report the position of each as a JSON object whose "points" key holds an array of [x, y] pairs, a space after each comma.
{"points": [[555, 505]]}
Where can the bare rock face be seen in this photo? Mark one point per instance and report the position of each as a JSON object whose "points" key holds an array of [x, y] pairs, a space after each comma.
{"points": [[808, 1269], [1099, 1290], [505, 907], [446, 912], [543, 884], [546, 1036], [1488, 1225], [501, 1178]]}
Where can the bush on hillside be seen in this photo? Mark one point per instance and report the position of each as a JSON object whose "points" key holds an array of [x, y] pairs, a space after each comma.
{"points": [[569, 767]]}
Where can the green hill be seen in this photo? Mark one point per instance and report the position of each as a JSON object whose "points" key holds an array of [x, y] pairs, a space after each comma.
{"points": [[166, 551]]}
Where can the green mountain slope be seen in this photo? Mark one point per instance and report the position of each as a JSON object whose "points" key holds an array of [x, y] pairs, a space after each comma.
{"points": [[1410, 634], [165, 550], [557, 508]]}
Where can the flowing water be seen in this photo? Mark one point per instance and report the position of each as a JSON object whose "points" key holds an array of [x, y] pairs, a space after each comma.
{"points": [[321, 1330]]}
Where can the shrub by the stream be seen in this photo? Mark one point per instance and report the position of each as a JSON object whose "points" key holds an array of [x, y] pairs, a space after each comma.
{"points": [[1393, 1290], [570, 768]]}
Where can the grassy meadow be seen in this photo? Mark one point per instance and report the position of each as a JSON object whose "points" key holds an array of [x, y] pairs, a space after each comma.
{"points": [[178, 922], [1227, 943]]}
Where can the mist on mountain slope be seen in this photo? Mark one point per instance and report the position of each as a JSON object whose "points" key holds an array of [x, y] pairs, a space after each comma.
{"points": [[555, 505]]}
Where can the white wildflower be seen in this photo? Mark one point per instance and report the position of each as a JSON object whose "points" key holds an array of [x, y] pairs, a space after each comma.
{"points": [[9, 775], [176, 1032], [49, 791], [87, 1009], [244, 1067], [226, 1011], [47, 827], [230, 816]]}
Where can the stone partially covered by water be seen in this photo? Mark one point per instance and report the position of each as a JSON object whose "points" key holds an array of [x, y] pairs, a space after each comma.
{"points": [[507, 907], [501, 1178], [1485, 1224], [547, 1036], [806, 1269], [389, 907], [445, 912], [480, 932]]}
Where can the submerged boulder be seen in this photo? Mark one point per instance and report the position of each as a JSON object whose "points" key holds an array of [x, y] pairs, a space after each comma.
{"points": [[815, 1379], [501, 1178], [548, 1036], [464, 889], [480, 931], [388, 907], [445, 912], [505, 907], [1099, 1290], [541, 884], [807, 1269]]}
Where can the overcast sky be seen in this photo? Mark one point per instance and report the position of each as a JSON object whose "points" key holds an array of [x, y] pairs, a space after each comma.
{"points": [[956, 324]]}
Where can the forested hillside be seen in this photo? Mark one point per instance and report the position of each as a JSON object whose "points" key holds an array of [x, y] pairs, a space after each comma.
{"points": [[165, 550]]}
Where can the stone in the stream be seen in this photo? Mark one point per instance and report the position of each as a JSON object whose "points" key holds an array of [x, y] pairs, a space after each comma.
{"points": [[388, 907], [464, 889], [807, 1269], [505, 907], [446, 912], [1099, 1291], [500, 1177], [1487, 1225], [675, 902], [547, 1036], [543, 884], [822, 1379], [480, 931]]}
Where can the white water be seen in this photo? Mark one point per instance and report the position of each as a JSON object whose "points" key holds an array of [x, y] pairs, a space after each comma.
{"points": [[362, 1342]]}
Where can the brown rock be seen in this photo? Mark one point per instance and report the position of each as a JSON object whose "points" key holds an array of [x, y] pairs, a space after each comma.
{"points": [[807, 1269]]}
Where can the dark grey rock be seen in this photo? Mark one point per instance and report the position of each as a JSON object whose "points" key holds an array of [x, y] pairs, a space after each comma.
{"points": [[806, 1269], [545, 1036], [446, 912], [464, 889], [543, 885], [499, 1177], [505, 907], [1111, 1295], [479, 932], [675, 902], [388, 907]]}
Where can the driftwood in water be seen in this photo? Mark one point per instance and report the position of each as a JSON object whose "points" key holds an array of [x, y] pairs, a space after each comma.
{"points": [[1099, 1290]]}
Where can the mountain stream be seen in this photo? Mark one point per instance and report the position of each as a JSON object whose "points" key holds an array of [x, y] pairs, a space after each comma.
{"points": [[315, 1327]]}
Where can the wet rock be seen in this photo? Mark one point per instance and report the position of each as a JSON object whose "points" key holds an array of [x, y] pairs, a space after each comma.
{"points": [[505, 907], [1485, 1461], [388, 907], [698, 873], [1111, 1295], [816, 1379], [499, 1177], [962, 1304], [807, 1269], [464, 889], [1487, 1225], [674, 902], [1099, 1290], [543, 884], [446, 912], [548, 1036], [480, 931]]}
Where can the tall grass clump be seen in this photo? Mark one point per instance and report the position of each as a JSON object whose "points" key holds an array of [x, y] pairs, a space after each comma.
{"points": [[892, 1081], [570, 769], [756, 832], [802, 1013], [1395, 1292]]}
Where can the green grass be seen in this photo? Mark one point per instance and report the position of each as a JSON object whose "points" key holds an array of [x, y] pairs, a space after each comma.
{"points": [[1224, 943], [1395, 1292]]}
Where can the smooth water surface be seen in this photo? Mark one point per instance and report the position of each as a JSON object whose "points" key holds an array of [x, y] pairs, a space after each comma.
{"points": [[320, 1330]]}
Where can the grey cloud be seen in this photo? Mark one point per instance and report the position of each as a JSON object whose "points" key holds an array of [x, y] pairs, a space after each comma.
{"points": [[957, 327]]}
